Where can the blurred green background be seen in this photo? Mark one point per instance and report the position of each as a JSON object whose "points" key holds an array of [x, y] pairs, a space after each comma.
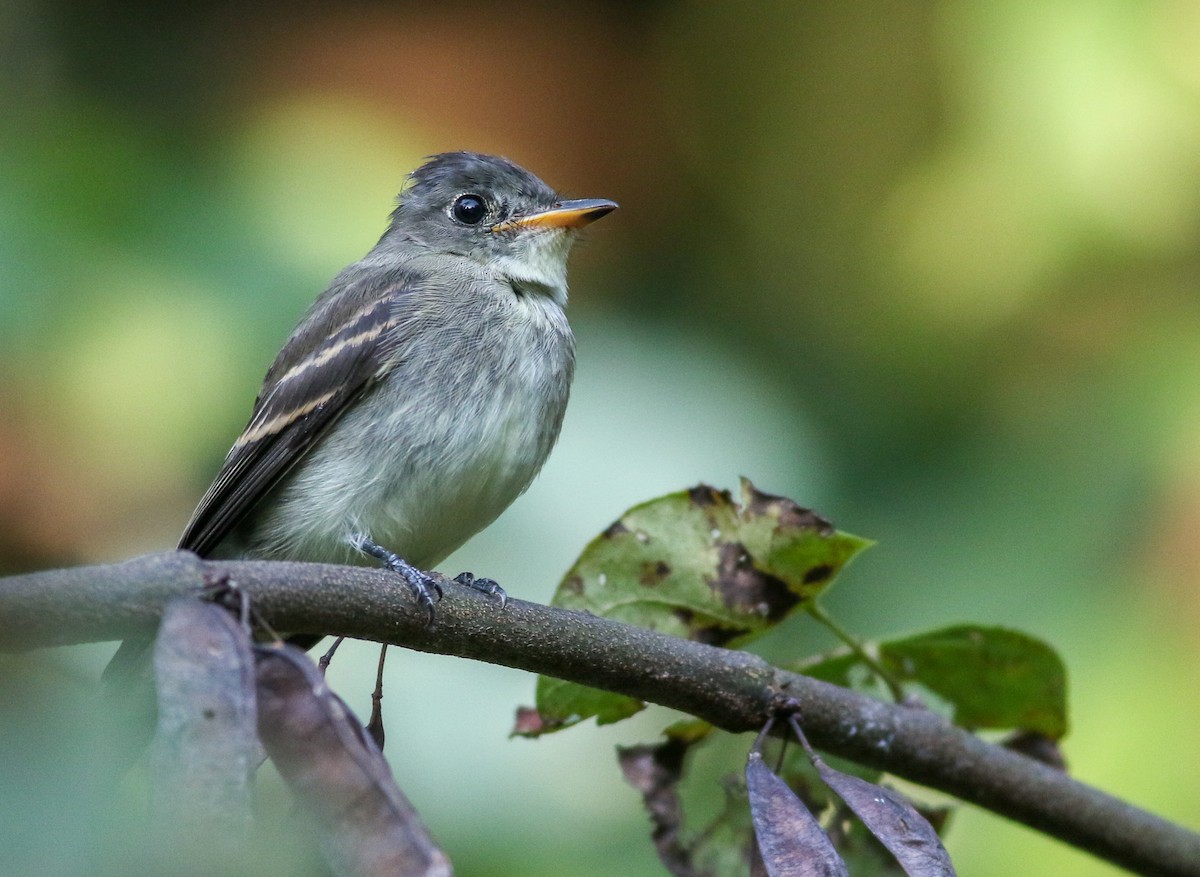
{"points": [[931, 269]]}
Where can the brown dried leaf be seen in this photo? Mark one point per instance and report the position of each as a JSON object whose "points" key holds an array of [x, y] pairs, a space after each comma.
{"points": [[655, 772], [367, 827], [205, 748]]}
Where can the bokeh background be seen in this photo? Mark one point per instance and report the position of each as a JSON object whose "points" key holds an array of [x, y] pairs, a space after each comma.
{"points": [[931, 269]]}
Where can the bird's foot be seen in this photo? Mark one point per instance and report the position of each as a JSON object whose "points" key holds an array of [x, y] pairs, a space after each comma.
{"points": [[487, 586], [423, 585]]}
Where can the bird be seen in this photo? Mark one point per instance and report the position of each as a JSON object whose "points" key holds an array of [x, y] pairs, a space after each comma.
{"points": [[420, 393]]}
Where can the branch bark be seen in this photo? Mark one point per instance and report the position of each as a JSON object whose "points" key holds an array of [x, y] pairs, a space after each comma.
{"points": [[733, 690]]}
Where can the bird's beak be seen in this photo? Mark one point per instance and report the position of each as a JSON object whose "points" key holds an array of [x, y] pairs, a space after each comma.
{"points": [[564, 214]]}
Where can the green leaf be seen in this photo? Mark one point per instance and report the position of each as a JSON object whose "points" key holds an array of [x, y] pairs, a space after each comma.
{"points": [[697, 565], [991, 677], [561, 704], [996, 678]]}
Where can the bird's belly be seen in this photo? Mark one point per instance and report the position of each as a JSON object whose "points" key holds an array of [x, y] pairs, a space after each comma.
{"points": [[420, 479], [431, 506]]}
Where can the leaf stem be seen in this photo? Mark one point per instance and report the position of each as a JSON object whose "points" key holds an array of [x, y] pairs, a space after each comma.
{"points": [[855, 645]]}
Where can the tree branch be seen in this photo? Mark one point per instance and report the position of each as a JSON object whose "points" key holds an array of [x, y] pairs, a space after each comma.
{"points": [[733, 690]]}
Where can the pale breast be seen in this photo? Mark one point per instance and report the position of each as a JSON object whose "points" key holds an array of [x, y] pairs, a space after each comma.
{"points": [[439, 448]]}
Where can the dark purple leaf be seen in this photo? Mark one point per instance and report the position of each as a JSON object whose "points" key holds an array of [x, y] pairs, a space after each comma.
{"points": [[889, 816], [792, 842]]}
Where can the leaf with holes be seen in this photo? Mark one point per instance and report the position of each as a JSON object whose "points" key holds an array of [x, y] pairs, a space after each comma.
{"points": [[698, 565]]}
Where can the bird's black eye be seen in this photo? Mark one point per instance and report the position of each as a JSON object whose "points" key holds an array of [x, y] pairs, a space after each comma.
{"points": [[468, 209]]}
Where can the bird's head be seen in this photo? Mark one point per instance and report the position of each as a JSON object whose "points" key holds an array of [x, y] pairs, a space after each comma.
{"points": [[492, 211]]}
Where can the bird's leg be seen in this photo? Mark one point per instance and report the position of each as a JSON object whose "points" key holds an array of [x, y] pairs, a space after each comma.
{"points": [[487, 586], [422, 584]]}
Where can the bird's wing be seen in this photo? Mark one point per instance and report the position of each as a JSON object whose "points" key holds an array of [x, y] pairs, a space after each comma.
{"points": [[340, 350]]}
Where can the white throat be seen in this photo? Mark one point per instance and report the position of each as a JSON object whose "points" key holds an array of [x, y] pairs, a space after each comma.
{"points": [[538, 263]]}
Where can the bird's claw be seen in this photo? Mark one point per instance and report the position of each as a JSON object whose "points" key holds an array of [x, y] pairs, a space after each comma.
{"points": [[486, 586], [422, 584]]}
